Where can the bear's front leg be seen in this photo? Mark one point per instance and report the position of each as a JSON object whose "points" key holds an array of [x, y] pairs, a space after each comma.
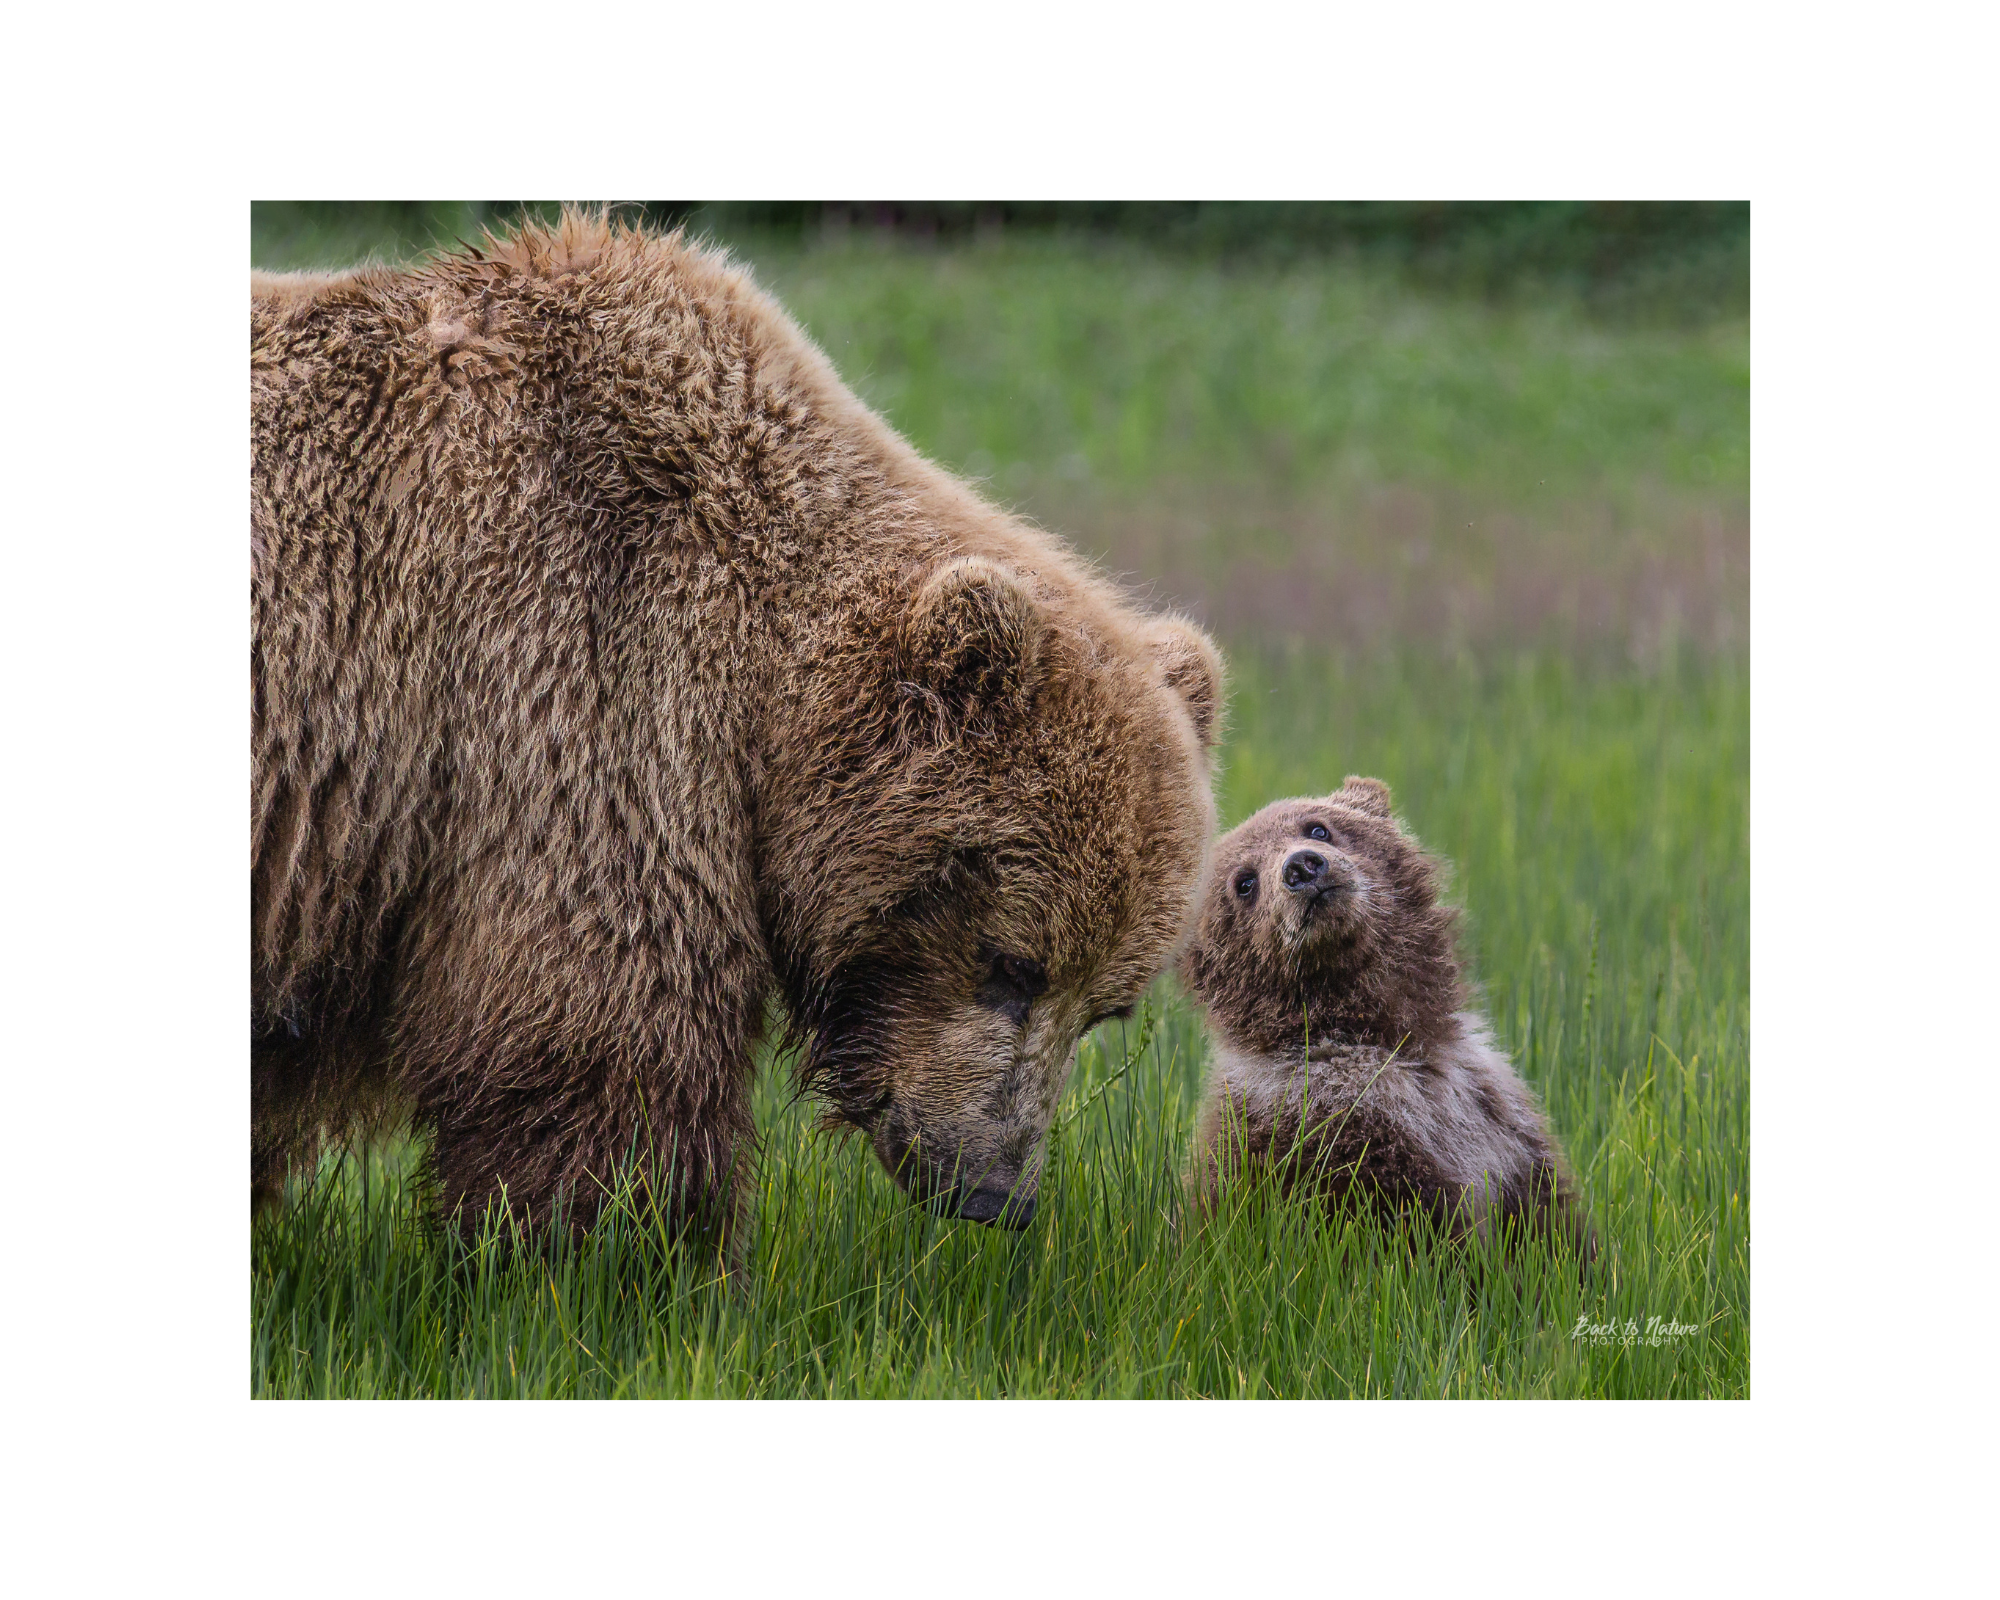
{"points": [[553, 1140], [550, 1086]]}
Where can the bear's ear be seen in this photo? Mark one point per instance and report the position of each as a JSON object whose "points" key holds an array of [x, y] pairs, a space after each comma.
{"points": [[974, 634], [1363, 794], [1191, 666]]}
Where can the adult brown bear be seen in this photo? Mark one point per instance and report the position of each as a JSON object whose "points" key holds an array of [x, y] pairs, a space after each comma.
{"points": [[613, 669]]}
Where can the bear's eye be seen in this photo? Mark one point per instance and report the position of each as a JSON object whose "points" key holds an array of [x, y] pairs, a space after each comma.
{"points": [[1246, 885], [1023, 972], [1011, 985], [1317, 830]]}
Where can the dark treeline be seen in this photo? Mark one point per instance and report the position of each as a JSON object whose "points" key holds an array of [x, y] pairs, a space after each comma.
{"points": [[1674, 258]]}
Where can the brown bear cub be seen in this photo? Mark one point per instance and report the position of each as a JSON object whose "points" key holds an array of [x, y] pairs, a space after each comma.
{"points": [[1346, 1061]]}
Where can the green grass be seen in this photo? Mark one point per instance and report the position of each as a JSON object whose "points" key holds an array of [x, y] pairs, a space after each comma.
{"points": [[1599, 825]]}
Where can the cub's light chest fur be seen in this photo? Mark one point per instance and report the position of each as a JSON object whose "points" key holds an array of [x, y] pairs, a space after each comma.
{"points": [[1456, 1104]]}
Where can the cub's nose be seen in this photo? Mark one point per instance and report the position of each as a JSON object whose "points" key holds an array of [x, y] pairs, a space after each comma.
{"points": [[1305, 871]]}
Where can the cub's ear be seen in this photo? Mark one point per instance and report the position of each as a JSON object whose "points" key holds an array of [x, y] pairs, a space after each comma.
{"points": [[974, 634], [1191, 666], [1364, 794]]}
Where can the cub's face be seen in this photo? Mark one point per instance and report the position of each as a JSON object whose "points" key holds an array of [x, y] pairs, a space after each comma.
{"points": [[1319, 919]]}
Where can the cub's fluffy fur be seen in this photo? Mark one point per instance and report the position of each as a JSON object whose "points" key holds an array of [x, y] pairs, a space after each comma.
{"points": [[1346, 1058], [615, 672]]}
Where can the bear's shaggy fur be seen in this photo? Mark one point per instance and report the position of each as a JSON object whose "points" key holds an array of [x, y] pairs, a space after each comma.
{"points": [[1347, 1061], [614, 670]]}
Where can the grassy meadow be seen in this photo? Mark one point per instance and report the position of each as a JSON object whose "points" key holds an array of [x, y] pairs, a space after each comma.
{"points": [[1493, 552]]}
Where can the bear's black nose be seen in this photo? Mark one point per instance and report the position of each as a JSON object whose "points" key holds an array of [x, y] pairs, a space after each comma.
{"points": [[994, 1203], [1304, 871]]}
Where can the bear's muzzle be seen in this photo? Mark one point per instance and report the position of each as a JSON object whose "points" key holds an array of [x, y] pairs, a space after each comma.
{"points": [[996, 1203]]}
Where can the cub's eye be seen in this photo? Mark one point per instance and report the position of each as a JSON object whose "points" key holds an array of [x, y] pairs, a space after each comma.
{"points": [[1318, 831], [1246, 885]]}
